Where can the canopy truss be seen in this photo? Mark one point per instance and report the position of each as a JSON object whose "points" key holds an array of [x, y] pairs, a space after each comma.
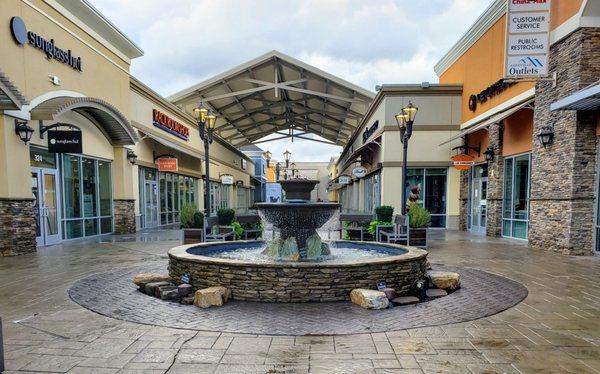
{"points": [[277, 94]]}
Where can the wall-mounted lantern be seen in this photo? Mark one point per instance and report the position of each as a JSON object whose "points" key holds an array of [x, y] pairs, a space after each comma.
{"points": [[23, 130], [489, 154], [131, 157], [546, 136]]}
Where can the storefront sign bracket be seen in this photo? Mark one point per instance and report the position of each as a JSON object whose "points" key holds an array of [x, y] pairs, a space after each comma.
{"points": [[465, 148], [43, 128], [161, 156]]}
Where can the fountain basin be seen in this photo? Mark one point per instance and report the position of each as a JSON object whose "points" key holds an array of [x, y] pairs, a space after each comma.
{"points": [[283, 281]]}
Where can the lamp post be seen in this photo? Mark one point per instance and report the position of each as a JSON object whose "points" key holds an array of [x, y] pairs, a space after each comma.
{"points": [[268, 158], [293, 166], [206, 125], [277, 171], [286, 157], [405, 120]]}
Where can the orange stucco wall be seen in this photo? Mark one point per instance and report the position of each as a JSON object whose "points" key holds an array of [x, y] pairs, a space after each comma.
{"points": [[483, 63], [518, 133], [478, 139]]}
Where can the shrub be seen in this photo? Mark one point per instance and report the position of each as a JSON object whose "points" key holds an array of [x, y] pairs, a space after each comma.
{"points": [[237, 229], [198, 220], [419, 217], [226, 216], [384, 213], [373, 226], [187, 216]]}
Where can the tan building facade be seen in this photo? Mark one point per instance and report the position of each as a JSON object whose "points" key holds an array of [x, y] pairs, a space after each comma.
{"points": [[369, 170], [65, 83]]}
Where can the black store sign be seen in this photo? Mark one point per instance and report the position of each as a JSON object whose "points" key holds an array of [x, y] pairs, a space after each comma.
{"points": [[64, 141]]}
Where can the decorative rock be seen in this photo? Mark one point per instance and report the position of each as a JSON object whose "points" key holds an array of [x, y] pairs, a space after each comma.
{"points": [[390, 293], [211, 296], [436, 292], [169, 294], [159, 290], [325, 251], [188, 300], [369, 299], [141, 280], [445, 280], [405, 300], [289, 249], [313, 247], [151, 287], [273, 248], [185, 289]]}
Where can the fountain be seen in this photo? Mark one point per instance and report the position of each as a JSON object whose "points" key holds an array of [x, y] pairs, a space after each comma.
{"points": [[297, 266]]}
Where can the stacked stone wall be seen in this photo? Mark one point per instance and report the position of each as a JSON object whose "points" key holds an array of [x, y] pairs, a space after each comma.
{"points": [[17, 227], [124, 215]]}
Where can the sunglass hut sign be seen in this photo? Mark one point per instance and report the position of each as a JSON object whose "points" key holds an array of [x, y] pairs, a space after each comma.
{"points": [[22, 37]]}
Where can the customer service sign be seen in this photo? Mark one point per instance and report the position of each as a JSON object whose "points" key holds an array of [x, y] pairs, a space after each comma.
{"points": [[527, 39]]}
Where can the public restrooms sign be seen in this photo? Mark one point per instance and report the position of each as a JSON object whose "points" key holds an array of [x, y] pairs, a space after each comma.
{"points": [[22, 36], [527, 39]]}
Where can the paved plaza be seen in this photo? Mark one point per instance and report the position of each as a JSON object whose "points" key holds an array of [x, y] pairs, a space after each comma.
{"points": [[556, 329]]}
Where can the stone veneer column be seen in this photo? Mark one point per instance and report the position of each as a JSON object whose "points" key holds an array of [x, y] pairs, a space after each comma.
{"points": [[17, 227], [464, 201], [495, 182], [124, 213], [564, 174]]}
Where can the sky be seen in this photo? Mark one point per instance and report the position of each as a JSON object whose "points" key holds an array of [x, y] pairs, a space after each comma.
{"points": [[364, 42]]}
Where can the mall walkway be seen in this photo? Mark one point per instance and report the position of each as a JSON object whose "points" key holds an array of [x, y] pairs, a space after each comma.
{"points": [[556, 329]]}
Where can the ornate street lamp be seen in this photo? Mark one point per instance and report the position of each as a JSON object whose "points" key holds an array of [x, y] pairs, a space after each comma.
{"points": [[23, 130], [293, 166], [206, 124], [286, 157], [405, 120], [268, 158], [131, 157], [277, 171]]}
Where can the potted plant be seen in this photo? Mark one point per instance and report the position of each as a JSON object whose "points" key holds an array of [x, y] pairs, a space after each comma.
{"points": [[383, 222], [420, 219], [192, 223], [226, 223]]}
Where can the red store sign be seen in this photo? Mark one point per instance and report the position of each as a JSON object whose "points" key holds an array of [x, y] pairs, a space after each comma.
{"points": [[167, 164], [166, 123]]}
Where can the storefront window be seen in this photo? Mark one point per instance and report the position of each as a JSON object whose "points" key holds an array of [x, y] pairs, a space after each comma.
{"points": [[87, 184], [428, 188], [372, 192], [41, 158], [516, 196], [174, 191]]}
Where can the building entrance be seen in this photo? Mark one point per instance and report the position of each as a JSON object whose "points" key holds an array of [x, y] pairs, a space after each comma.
{"points": [[151, 203], [44, 184], [478, 199]]}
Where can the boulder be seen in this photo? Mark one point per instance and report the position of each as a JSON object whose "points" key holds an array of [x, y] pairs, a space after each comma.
{"points": [[313, 247], [289, 249], [185, 289], [405, 300], [390, 293], [159, 290], [325, 251], [369, 299], [445, 280], [211, 296], [150, 288], [141, 280], [167, 293], [188, 300], [273, 248], [436, 292]]}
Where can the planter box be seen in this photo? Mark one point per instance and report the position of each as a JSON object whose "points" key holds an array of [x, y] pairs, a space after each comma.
{"points": [[418, 237], [193, 236]]}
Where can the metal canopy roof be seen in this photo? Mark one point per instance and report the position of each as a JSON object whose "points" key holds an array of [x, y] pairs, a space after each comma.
{"points": [[586, 99], [10, 96], [278, 94]]}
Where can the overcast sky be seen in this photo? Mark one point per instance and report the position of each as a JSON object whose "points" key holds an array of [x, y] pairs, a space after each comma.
{"points": [[365, 42]]}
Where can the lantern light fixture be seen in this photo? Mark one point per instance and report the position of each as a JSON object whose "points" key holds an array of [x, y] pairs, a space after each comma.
{"points": [[489, 154], [546, 136], [131, 156], [23, 130]]}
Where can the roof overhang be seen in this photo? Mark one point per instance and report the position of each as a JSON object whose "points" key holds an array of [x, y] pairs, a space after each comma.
{"points": [[10, 96], [106, 117], [586, 99], [278, 94]]}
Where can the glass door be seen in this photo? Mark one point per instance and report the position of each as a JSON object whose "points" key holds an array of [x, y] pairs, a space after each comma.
{"points": [[45, 191], [151, 203], [479, 200]]}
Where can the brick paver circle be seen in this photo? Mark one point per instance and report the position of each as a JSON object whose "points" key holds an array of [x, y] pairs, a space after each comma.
{"points": [[114, 295]]}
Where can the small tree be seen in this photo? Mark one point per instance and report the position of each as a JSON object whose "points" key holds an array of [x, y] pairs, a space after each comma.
{"points": [[384, 213], [226, 216], [190, 217]]}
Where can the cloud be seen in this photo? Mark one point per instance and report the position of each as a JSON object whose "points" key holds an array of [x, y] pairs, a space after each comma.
{"points": [[364, 42]]}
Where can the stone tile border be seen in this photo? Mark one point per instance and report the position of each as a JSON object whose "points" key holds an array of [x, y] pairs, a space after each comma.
{"points": [[114, 295]]}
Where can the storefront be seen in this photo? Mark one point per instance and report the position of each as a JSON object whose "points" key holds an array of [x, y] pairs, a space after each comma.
{"points": [[369, 169], [534, 170]]}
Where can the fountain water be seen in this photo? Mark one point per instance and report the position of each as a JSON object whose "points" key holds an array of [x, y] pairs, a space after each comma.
{"points": [[297, 220]]}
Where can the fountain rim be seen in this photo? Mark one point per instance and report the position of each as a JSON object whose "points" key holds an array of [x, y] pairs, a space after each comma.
{"points": [[180, 253], [302, 204]]}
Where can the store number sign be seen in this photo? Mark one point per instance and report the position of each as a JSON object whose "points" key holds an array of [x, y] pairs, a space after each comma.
{"points": [[527, 39]]}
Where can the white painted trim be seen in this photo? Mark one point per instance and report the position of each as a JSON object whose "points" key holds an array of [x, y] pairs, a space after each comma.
{"points": [[530, 93], [25, 112], [28, 2]]}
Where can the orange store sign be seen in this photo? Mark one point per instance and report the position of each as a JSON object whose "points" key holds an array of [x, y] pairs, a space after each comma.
{"points": [[167, 164], [462, 162]]}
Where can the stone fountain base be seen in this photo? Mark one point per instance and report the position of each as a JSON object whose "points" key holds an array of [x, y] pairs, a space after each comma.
{"points": [[296, 281]]}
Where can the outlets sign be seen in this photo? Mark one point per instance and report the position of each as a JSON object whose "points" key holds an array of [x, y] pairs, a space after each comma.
{"points": [[527, 39]]}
